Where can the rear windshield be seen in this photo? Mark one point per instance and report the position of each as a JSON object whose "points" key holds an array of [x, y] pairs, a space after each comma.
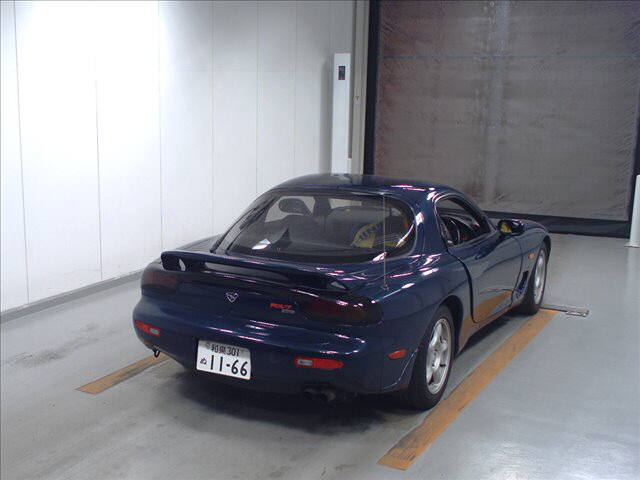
{"points": [[321, 227]]}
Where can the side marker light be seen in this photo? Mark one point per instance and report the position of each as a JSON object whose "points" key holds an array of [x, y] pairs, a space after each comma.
{"points": [[398, 354]]}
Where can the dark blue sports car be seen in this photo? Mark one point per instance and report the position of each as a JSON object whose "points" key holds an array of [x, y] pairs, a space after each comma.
{"points": [[332, 285]]}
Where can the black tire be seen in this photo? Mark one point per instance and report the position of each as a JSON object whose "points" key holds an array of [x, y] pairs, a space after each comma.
{"points": [[529, 305], [419, 394]]}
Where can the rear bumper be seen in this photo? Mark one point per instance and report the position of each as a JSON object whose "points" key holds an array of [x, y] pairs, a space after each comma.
{"points": [[273, 349]]}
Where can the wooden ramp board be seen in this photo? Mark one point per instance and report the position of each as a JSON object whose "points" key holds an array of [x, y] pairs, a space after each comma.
{"points": [[108, 381], [402, 455]]}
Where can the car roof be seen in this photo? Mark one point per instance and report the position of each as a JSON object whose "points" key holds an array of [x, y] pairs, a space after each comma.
{"points": [[409, 188]]}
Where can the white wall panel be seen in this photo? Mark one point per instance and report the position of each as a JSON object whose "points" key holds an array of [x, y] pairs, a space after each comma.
{"points": [[235, 39], [235, 35], [128, 133], [186, 35], [58, 127], [13, 280], [313, 87], [55, 36], [187, 181], [234, 147], [129, 171], [275, 129], [314, 34], [276, 92], [312, 131], [277, 36], [186, 58], [342, 24], [8, 63]]}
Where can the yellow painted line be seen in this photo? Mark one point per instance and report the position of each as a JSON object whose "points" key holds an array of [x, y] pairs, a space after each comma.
{"points": [[411, 446], [108, 381]]}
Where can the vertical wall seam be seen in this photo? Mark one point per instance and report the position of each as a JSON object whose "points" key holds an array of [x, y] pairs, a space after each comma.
{"points": [[331, 40], [295, 91], [635, 165], [328, 119], [257, 91], [352, 51], [95, 93], [160, 128], [213, 137], [24, 214], [95, 87]]}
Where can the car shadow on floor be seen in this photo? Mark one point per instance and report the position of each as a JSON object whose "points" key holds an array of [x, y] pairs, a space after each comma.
{"points": [[295, 411]]}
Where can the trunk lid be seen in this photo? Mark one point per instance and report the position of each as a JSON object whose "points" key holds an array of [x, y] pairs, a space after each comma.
{"points": [[266, 290]]}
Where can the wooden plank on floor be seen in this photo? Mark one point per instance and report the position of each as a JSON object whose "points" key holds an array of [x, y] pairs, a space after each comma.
{"points": [[402, 455], [108, 381]]}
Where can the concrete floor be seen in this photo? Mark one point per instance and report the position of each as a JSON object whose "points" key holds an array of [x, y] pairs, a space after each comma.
{"points": [[566, 407]]}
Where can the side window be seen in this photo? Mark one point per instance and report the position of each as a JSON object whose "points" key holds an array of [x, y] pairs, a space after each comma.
{"points": [[458, 222]]}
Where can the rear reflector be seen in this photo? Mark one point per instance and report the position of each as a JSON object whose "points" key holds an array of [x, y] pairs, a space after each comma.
{"points": [[398, 354], [146, 328], [319, 363]]}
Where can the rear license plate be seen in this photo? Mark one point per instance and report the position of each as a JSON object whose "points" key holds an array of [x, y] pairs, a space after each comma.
{"points": [[223, 359]]}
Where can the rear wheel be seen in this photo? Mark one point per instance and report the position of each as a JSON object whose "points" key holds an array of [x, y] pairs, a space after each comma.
{"points": [[535, 288], [433, 362]]}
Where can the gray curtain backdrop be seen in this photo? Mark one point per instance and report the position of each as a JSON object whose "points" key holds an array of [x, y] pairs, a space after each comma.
{"points": [[529, 107]]}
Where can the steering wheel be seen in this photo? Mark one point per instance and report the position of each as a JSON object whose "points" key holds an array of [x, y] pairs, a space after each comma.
{"points": [[454, 231], [464, 231]]}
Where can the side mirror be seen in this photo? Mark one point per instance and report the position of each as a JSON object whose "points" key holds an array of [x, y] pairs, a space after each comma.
{"points": [[293, 205], [510, 227]]}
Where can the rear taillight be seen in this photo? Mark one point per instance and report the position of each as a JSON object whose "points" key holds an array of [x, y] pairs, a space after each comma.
{"points": [[341, 311], [319, 363], [146, 328], [159, 280]]}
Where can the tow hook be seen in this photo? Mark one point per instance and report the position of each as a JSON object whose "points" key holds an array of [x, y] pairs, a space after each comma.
{"points": [[156, 352]]}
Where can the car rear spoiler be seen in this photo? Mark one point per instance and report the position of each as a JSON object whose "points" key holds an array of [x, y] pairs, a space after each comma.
{"points": [[188, 261]]}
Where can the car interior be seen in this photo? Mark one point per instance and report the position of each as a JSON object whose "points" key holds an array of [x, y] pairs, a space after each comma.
{"points": [[458, 223], [323, 224]]}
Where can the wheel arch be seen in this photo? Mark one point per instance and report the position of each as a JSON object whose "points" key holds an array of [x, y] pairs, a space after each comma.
{"points": [[547, 241]]}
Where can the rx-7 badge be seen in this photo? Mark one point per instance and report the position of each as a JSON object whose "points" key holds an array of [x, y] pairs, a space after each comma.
{"points": [[283, 307]]}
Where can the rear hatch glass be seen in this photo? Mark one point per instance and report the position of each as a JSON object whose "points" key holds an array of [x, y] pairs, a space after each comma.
{"points": [[320, 227]]}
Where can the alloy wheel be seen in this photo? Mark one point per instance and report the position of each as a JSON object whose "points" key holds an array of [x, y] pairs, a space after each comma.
{"points": [[438, 355], [539, 277]]}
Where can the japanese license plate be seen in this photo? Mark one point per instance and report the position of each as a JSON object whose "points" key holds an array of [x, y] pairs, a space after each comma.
{"points": [[223, 359]]}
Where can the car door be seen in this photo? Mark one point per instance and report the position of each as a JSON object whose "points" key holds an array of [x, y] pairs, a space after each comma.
{"points": [[492, 260]]}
